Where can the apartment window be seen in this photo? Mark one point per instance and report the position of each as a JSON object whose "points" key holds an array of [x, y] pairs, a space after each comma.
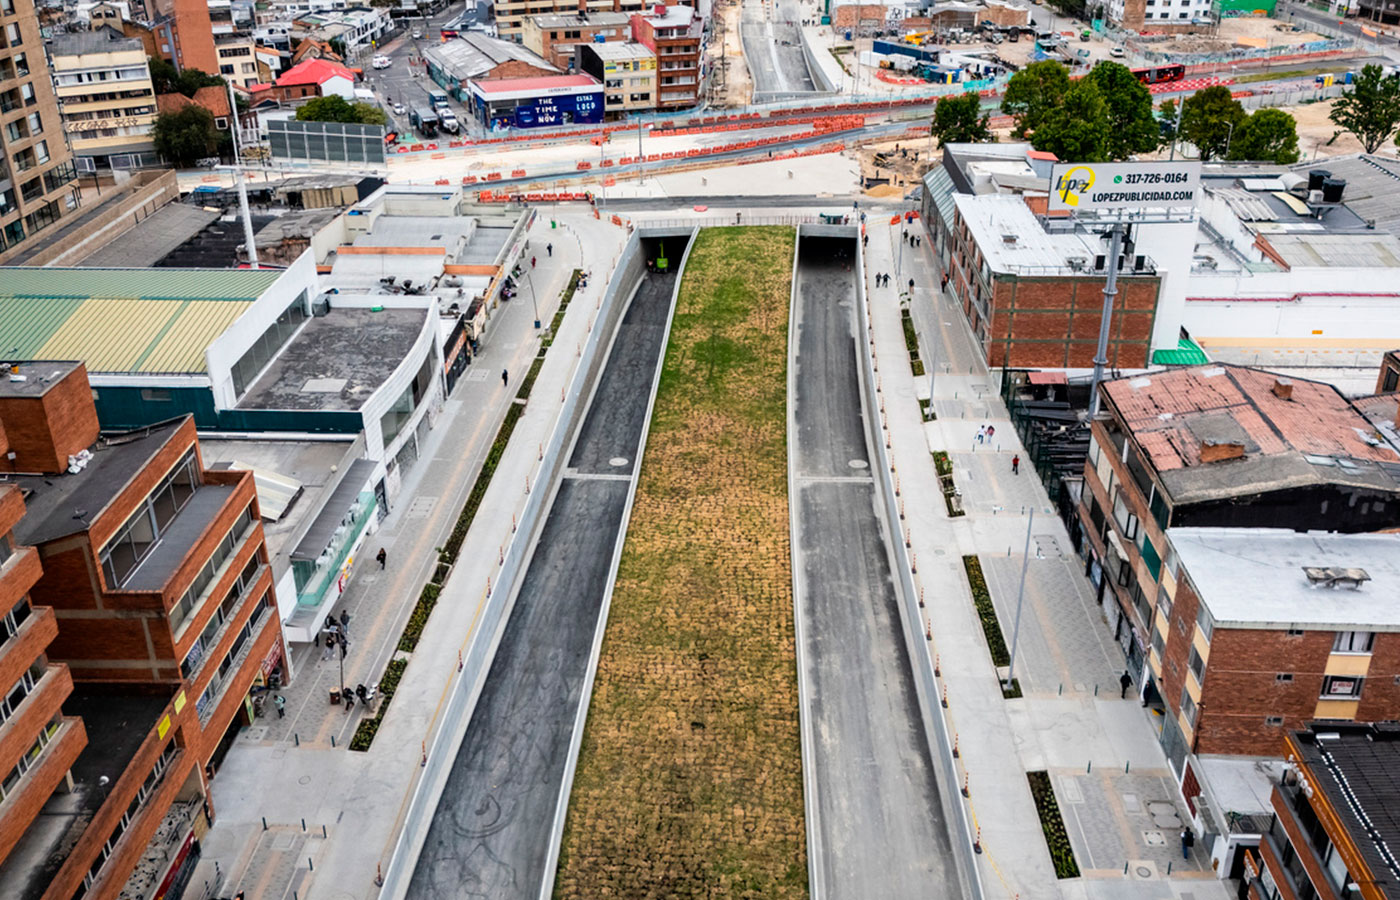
{"points": [[134, 540], [35, 123], [209, 573], [1164, 603], [29, 759], [12, 34], [7, 7], [1159, 643], [1204, 621], [41, 152], [1353, 642], [226, 70], [32, 189], [1273, 722], [1342, 687], [209, 636], [1127, 522], [15, 130], [1296, 632], [1188, 708], [21, 61], [10, 704], [1284, 677], [14, 232], [1197, 665]]}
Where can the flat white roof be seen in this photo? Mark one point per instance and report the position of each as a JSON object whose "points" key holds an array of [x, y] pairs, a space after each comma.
{"points": [[1253, 577], [993, 217]]}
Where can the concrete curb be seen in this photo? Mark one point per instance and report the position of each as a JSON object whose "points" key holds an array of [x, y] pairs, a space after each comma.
{"points": [[816, 882]]}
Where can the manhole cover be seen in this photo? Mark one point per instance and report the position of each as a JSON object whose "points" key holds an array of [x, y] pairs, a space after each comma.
{"points": [[1144, 871], [859, 464], [305, 779], [617, 461]]}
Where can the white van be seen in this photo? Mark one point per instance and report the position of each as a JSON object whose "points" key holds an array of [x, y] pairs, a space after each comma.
{"points": [[382, 62], [447, 120]]}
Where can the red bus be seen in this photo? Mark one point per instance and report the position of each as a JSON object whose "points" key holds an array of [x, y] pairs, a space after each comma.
{"points": [[1160, 74]]}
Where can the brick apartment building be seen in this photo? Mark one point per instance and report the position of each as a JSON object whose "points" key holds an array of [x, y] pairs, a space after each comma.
{"points": [[38, 744], [157, 574], [1336, 823], [1388, 382], [184, 34], [36, 167], [1217, 446], [676, 35], [511, 14], [1269, 629], [554, 37], [1033, 295]]}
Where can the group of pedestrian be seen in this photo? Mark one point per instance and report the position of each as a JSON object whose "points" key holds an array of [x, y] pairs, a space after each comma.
{"points": [[336, 632], [882, 279], [985, 434]]}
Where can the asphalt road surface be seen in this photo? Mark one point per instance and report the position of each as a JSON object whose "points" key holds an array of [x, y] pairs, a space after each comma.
{"points": [[773, 51], [490, 833], [880, 823]]}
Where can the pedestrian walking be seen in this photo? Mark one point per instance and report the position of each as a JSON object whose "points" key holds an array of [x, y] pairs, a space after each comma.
{"points": [[532, 262], [865, 239], [918, 240], [330, 645], [904, 235], [345, 623], [549, 249], [1016, 465], [381, 557], [981, 433], [943, 285], [991, 430], [1125, 681], [911, 285], [1188, 840], [281, 703], [505, 378]]}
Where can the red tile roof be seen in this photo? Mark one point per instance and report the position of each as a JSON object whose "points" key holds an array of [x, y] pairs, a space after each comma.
{"points": [[314, 71], [1172, 415], [214, 99]]}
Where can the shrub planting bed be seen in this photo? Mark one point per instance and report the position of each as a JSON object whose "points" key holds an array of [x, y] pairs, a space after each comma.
{"points": [[986, 613], [689, 781], [1061, 853]]}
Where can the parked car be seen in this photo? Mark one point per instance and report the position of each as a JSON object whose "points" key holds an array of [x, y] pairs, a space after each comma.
{"points": [[417, 34], [400, 109], [447, 121], [1117, 53]]}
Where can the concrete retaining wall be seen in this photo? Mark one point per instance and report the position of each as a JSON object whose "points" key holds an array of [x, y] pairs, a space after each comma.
{"points": [[465, 689]]}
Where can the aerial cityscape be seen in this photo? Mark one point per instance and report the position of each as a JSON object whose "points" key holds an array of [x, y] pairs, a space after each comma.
{"points": [[579, 449]]}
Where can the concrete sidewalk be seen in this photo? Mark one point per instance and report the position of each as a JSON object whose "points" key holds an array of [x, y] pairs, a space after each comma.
{"points": [[1110, 777], [283, 773]]}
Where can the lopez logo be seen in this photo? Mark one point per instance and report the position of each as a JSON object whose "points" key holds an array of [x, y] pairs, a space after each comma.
{"points": [[1074, 184]]}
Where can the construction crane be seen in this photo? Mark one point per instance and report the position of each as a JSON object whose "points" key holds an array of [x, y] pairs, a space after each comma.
{"points": [[917, 38]]}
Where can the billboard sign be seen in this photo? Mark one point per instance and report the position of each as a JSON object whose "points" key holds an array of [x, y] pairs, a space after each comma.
{"points": [[1084, 187], [296, 141]]}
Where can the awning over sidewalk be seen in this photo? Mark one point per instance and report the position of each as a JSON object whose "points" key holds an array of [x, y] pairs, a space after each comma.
{"points": [[318, 536]]}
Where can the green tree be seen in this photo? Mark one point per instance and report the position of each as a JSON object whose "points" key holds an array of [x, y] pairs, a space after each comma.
{"points": [[1266, 135], [1166, 123], [1033, 92], [960, 120], [333, 108], [1132, 128], [1209, 118], [186, 136], [369, 114], [166, 79], [1370, 110], [1078, 129]]}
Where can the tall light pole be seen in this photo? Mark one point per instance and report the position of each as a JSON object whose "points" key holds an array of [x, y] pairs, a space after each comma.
{"points": [[1020, 602]]}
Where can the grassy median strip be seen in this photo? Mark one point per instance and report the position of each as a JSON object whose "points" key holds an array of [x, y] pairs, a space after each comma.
{"points": [[689, 782], [1051, 822]]}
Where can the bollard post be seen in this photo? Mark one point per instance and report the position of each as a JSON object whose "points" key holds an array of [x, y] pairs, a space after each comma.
{"points": [[332, 742], [512, 523], [914, 562], [908, 538], [977, 841], [1169, 866], [1127, 766], [1089, 768], [956, 752], [378, 875], [424, 761], [944, 699], [527, 484], [1096, 690], [966, 789], [928, 630], [896, 488], [901, 510], [921, 596], [1061, 691], [303, 824], [488, 585], [296, 737], [264, 818], [459, 659], [323, 830], [937, 665], [310, 865], [501, 556], [1125, 868], [541, 451]]}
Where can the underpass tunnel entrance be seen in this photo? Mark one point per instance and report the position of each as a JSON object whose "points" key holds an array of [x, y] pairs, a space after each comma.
{"points": [[664, 254]]}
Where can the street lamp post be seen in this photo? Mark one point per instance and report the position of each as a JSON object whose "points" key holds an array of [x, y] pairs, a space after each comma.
{"points": [[533, 305]]}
